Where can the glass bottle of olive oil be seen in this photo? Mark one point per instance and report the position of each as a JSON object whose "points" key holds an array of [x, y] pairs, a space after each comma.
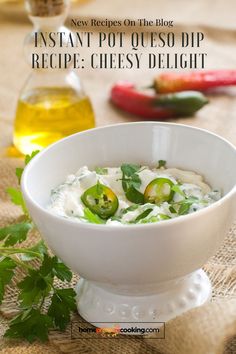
{"points": [[52, 103], [46, 113]]}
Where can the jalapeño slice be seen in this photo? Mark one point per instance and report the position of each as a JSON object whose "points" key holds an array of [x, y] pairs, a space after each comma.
{"points": [[159, 190], [101, 200]]}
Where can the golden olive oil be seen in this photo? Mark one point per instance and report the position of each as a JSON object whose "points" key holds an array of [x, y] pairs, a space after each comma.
{"points": [[45, 115]]}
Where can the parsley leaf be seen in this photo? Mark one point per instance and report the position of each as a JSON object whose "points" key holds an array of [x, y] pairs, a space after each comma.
{"points": [[39, 249], [63, 302], [31, 325], [38, 284], [7, 266], [101, 170], [47, 265], [34, 287], [28, 158], [61, 271], [56, 267], [17, 198], [19, 172], [15, 233]]}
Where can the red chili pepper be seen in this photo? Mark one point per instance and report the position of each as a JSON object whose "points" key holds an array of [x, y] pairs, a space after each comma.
{"points": [[126, 97], [195, 80]]}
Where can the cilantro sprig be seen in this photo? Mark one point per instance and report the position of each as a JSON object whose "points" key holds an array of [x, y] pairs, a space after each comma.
{"points": [[101, 170], [161, 163], [37, 286], [131, 182], [183, 206]]}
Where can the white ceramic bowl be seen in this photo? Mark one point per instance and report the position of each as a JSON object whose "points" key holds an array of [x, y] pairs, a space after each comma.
{"points": [[136, 272]]}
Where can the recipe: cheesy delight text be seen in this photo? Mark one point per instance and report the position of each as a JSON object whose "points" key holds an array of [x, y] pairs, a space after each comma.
{"points": [[60, 50]]}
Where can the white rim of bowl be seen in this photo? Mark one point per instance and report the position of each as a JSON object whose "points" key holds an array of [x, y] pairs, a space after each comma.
{"points": [[159, 224]]}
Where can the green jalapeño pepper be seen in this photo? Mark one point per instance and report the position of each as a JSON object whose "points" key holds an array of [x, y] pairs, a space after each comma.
{"points": [[101, 200], [159, 190]]}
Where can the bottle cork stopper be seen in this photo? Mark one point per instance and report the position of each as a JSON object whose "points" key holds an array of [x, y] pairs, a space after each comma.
{"points": [[46, 8]]}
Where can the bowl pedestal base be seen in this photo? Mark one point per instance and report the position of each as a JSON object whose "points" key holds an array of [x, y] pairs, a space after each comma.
{"points": [[106, 307]]}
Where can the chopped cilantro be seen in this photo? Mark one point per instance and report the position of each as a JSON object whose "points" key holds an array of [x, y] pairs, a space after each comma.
{"points": [[143, 215], [131, 182], [134, 196], [161, 163], [176, 188], [101, 170], [130, 208], [129, 169], [91, 217], [184, 208]]}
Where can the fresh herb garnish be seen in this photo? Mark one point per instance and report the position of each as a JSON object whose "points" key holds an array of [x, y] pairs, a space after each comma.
{"points": [[101, 170], [184, 208], [134, 196], [130, 208], [129, 169], [131, 182], [164, 217], [37, 287], [161, 163], [176, 188], [149, 220], [156, 218], [184, 205], [172, 210], [115, 218], [130, 176], [143, 215], [91, 217]]}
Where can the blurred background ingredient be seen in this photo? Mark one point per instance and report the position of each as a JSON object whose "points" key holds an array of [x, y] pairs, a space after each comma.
{"points": [[153, 106], [194, 80], [52, 103]]}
